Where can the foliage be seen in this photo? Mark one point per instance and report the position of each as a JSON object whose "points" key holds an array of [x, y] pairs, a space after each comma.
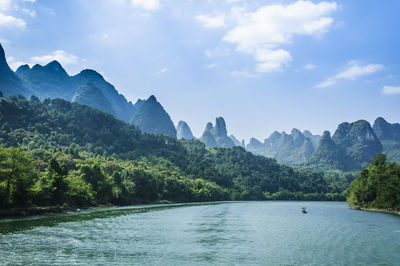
{"points": [[81, 156], [16, 176], [378, 186]]}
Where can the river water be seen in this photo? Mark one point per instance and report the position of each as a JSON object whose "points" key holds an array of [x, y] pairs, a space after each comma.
{"points": [[230, 233]]}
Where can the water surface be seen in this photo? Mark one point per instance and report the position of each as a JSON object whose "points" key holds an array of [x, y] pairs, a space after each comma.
{"points": [[235, 233]]}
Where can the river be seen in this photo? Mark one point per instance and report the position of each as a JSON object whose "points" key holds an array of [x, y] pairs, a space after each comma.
{"points": [[229, 233]]}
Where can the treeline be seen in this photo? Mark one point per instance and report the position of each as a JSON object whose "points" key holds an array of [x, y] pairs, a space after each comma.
{"points": [[43, 178], [377, 187], [76, 155]]}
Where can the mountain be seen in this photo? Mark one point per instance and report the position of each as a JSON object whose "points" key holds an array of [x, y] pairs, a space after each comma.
{"points": [[10, 83], [52, 81], [123, 109], [49, 81], [152, 118], [294, 148], [314, 138], [149, 167], [183, 131], [352, 147], [329, 154], [389, 135], [207, 137], [217, 136], [91, 95], [236, 141]]}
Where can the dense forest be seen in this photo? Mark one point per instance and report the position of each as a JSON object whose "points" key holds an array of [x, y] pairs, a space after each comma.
{"points": [[377, 187], [54, 152]]}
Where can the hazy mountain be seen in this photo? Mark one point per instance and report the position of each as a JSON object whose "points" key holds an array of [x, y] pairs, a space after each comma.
{"points": [[328, 154], [389, 135], [49, 81], [207, 136], [255, 146], [52, 81], [352, 146], [152, 118], [236, 141], [10, 84], [314, 138], [123, 109], [217, 136], [294, 148], [183, 131], [91, 95]]}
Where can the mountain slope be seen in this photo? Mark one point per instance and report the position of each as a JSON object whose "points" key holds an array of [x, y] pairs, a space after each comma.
{"points": [[183, 131], [123, 109], [49, 81], [91, 95], [152, 118], [52, 81], [352, 147], [237, 142], [217, 136], [10, 84], [294, 148], [168, 164], [389, 135]]}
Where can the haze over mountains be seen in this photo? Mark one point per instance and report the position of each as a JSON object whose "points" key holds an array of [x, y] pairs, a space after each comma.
{"points": [[351, 147]]}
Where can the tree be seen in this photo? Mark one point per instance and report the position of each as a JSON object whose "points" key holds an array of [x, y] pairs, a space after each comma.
{"points": [[57, 174], [16, 175]]}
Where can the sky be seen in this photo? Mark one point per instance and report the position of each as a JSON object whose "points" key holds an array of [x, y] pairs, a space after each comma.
{"points": [[262, 65]]}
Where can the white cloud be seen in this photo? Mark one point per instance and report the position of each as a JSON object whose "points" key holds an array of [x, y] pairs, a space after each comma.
{"points": [[217, 52], [244, 74], [13, 63], [29, 12], [309, 67], [61, 56], [163, 70], [353, 71], [31, 1], [391, 90], [10, 21], [211, 66], [147, 4], [211, 21], [271, 60], [5, 4], [262, 33]]}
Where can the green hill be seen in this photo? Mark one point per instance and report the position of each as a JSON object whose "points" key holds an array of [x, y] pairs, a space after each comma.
{"points": [[100, 159]]}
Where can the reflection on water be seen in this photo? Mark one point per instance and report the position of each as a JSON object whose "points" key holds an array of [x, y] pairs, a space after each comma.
{"points": [[245, 233]]}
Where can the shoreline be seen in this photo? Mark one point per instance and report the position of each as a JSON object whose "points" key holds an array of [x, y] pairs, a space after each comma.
{"points": [[387, 211], [48, 210], [44, 210]]}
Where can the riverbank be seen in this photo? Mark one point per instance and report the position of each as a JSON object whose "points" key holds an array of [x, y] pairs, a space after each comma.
{"points": [[33, 211], [388, 211]]}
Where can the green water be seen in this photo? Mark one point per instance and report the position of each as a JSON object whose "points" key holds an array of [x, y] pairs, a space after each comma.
{"points": [[237, 233]]}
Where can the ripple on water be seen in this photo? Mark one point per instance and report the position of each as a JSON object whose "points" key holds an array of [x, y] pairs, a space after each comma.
{"points": [[249, 233]]}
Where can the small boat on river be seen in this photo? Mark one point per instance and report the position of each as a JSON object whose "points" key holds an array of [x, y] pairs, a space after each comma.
{"points": [[304, 210]]}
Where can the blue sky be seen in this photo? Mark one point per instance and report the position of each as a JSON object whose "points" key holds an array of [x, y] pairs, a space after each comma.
{"points": [[262, 65]]}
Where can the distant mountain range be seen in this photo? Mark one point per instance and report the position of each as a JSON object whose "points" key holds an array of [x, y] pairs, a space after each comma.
{"points": [[294, 148], [88, 87], [351, 147]]}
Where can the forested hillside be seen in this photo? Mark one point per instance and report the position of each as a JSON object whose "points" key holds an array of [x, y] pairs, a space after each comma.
{"points": [[92, 158], [377, 187]]}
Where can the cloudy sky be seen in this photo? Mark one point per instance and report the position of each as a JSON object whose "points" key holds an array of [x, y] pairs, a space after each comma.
{"points": [[263, 65]]}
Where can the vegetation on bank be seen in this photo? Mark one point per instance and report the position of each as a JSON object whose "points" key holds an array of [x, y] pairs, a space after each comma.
{"points": [[377, 187], [60, 153]]}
